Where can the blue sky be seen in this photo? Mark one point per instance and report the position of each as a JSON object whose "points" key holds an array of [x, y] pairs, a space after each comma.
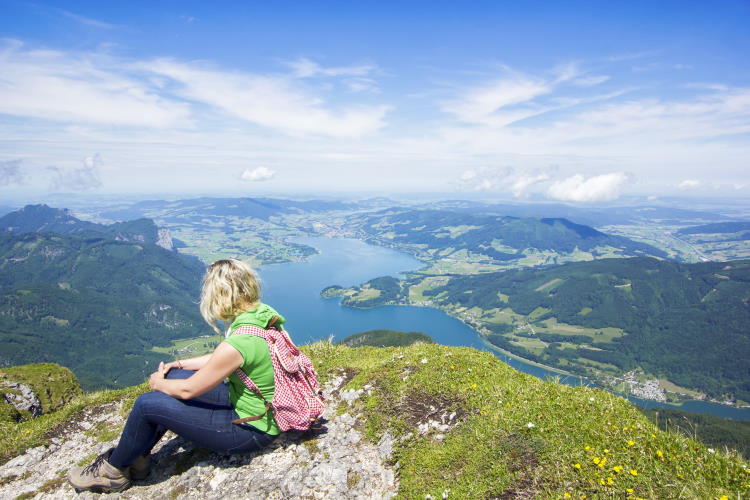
{"points": [[569, 101]]}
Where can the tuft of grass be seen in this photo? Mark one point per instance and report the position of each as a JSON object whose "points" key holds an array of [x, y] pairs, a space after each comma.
{"points": [[517, 435]]}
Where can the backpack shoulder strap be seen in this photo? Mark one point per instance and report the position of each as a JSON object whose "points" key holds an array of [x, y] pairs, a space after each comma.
{"points": [[248, 381]]}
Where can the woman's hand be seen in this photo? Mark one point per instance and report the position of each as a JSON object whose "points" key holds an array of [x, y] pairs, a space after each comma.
{"points": [[170, 365], [224, 360], [158, 376]]}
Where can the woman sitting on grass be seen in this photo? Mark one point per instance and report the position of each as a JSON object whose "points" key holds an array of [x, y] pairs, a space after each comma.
{"points": [[191, 396]]}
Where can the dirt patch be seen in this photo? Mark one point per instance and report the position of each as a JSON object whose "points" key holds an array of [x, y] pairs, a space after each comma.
{"points": [[421, 409], [71, 425]]}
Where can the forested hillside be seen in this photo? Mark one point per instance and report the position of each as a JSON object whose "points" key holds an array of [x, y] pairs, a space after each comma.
{"points": [[94, 304], [686, 323], [441, 234]]}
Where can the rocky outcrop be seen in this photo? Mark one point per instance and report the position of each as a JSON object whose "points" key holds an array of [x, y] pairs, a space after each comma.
{"points": [[335, 463], [27, 391], [164, 239], [21, 397]]}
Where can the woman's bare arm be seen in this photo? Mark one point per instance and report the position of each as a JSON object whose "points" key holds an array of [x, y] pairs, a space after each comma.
{"points": [[188, 364], [217, 366]]}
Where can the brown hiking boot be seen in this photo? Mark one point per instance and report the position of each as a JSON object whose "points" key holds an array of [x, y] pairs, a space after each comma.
{"points": [[140, 468], [99, 476]]}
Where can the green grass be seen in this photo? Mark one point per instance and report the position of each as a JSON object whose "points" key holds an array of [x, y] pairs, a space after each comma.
{"points": [[493, 452]]}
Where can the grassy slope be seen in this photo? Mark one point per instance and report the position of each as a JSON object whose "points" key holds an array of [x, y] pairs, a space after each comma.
{"points": [[493, 451]]}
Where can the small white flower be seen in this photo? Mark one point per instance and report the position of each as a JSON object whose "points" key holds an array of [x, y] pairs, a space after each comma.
{"points": [[591, 398], [711, 450], [530, 425], [424, 361]]}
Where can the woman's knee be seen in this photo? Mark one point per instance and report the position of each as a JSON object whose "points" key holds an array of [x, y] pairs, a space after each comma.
{"points": [[150, 401]]}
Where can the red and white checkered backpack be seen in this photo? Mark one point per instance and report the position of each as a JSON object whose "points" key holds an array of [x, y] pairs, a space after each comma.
{"points": [[297, 400]]}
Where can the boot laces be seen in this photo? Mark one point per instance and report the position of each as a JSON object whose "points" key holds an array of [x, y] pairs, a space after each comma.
{"points": [[93, 467]]}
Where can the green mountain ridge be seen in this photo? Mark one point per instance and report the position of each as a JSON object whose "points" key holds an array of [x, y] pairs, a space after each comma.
{"points": [[45, 219], [440, 234]]}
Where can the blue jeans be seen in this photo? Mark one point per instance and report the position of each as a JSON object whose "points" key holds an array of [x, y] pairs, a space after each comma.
{"points": [[205, 420]]}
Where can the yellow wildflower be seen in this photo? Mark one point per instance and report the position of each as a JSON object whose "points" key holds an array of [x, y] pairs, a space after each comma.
{"points": [[587, 447], [602, 482], [604, 461], [653, 436], [633, 472], [630, 490], [606, 450], [617, 468], [659, 453], [474, 386], [453, 367], [597, 460], [631, 442], [577, 466], [610, 481], [723, 497], [566, 495]]}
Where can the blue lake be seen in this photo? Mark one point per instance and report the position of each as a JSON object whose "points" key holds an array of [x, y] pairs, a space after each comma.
{"points": [[294, 289]]}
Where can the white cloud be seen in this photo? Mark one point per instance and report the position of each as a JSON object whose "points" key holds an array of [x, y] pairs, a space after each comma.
{"points": [[599, 188], [67, 87], [77, 179], [269, 101], [588, 81], [305, 68], [487, 104], [689, 184], [11, 173], [258, 174], [523, 183]]}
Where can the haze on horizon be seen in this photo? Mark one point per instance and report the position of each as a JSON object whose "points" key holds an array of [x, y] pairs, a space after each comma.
{"points": [[584, 102]]}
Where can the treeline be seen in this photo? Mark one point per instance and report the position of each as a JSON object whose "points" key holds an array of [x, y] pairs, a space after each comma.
{"points": [[717, 432], [385, 338]]}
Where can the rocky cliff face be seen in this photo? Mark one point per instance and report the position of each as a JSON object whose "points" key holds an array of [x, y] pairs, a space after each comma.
{"points": [[336, 463]]}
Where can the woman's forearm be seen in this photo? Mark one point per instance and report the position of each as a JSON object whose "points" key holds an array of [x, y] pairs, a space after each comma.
{"points": [[192, 363]]}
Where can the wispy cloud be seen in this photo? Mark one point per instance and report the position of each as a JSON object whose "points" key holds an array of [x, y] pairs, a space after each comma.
{"points": [[87, 21], [92, 88], [84, 178], [267, 100], [67, 87], [305, 68]]}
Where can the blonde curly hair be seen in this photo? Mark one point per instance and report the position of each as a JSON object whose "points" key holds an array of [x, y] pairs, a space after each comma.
{"points": [[230, 287]]}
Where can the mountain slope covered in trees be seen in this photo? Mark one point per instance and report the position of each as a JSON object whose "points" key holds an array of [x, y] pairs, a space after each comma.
{"points": [[687, 323], [432, 234], [93, 302]]}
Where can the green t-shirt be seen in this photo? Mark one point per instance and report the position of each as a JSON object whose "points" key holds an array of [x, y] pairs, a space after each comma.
{"points": [[256, 365]]}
